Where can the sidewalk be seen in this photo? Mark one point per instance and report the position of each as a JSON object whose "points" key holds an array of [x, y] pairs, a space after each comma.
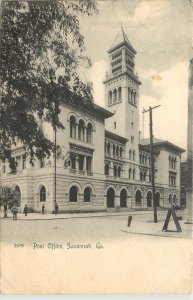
{"points": [[149, 228], [49, 216]]}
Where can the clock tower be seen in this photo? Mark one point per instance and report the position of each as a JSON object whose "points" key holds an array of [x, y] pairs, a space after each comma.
{"points": [[122, 92]]}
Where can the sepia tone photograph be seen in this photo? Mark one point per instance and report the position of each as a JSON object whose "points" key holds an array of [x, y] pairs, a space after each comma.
{"points": [[96, 147]]}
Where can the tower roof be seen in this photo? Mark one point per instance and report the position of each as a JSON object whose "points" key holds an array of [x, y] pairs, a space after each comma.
{"points": [[120, 39]]}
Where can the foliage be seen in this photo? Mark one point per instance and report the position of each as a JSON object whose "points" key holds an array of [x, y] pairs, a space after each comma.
{"points": [[8, 195], [38, 38]]}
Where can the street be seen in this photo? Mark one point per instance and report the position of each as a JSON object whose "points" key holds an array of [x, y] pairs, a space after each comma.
{"points": [[91, 228]]}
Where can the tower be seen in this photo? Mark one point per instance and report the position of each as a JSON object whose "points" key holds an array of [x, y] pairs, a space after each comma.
{"points": [[122, 93]]}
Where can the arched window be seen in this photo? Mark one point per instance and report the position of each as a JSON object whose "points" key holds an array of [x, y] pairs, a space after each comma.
{"points": [[17, 195], [130, 154], [134, 98], [141, 176], [43, 194], [130, 170], [119, 172], [87, 194], [114, 96], [81, 126], [131, 97], [123, 198], [114, 150], [117, 151], [108, 148], [115, 171], [121, 152], [134, 174], [73, 160], [149, 177], [140, 158], [110, 98], [138, 197], [175, 163], [131, 125], [89, 133], [144, 176], [73, 194], [129, 94], [106, 169], [119, 93], [133, 155], [72, 127]]}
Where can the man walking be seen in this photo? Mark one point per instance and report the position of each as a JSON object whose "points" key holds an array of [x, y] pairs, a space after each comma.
{"points": [[25, 210], [56, 208]]}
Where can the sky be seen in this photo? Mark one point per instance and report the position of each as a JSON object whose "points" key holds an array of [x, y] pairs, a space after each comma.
{"points": [[160, 32]]}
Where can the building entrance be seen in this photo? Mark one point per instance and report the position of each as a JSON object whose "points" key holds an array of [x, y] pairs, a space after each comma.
{"points": [[110, 198]]}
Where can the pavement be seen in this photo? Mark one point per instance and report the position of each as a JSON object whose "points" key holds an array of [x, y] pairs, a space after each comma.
{"points": [[142, 222], [50, 216]]}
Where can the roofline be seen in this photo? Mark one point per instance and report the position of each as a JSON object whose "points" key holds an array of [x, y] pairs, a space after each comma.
{"points": [[166, 143], [103, 111], [133, 76], [124, 43], [116, 136]]}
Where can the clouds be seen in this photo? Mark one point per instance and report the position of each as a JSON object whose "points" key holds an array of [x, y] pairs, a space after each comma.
{"points": [[171, 92], [148, 10], [160, 31]]}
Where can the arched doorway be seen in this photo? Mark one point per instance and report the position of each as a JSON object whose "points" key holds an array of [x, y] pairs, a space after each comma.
{"points": [[73, 194], [149, 199], [17, 195], [157, 199], [138, 197], [87, 194], [42, 194], [110, 198], [123, 198]]}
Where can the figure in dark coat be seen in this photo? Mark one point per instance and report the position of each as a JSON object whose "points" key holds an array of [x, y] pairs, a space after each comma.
{"points": [[43, 209], [15, 211], [5, 210], [56, 208], [25, 210]]}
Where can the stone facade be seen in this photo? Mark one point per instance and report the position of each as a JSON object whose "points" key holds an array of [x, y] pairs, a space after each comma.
{"points": [[104, 165]]}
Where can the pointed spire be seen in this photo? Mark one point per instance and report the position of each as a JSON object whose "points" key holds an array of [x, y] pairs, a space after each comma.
{"points": [[122, 38]]}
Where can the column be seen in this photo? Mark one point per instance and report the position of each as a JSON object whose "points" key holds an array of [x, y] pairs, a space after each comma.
{"points": [[76, 130], [84, 163], [111, 169], [85, 134]]}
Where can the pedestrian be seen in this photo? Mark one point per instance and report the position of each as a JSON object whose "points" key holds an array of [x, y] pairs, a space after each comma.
{"points": [[5, 210], [25, 210], [43, 209], [15, 211], [56, 208]]}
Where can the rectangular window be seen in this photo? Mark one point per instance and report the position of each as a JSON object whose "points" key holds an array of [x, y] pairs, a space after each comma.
{"points": [[89, 164], [42, 162], [23, 162]]}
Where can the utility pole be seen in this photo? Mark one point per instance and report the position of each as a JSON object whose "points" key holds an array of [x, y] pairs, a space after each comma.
{"points": [[152, 158]]}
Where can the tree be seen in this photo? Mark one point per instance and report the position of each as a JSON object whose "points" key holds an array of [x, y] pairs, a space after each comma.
{"points": [[38, 38], [8, 195]]}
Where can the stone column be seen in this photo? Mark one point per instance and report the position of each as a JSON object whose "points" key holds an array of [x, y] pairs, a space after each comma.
{"points": [[84, 163], [85, 134], [76, 130]]}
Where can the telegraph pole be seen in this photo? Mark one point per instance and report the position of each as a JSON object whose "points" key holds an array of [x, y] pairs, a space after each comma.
{"points": [[152, 158]]}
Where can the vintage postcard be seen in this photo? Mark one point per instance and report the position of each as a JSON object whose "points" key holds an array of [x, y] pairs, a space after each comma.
{"points": [[96, 147]]}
